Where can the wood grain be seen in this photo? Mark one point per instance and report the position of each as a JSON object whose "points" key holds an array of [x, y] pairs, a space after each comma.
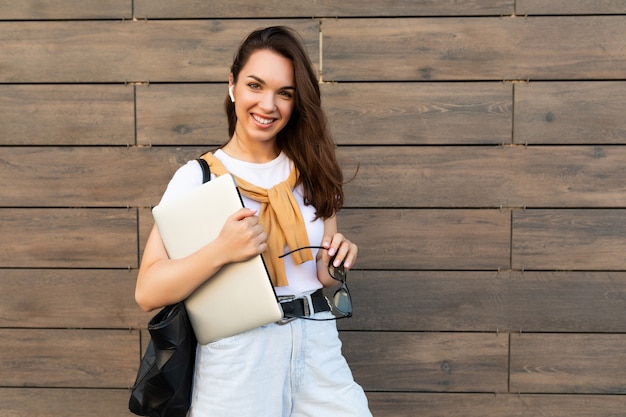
{"points": [[429, 239], [419, 113], [566, 363], [428, 361], [494, 405], [55, 402], [570, 113], [557, 48], [304, 8], [70, 298], [67, 115], [477, 301], [493, 176], [65, 9], [129, 51], [569, 239], [68, 238], [565, 7], [69, 358]]}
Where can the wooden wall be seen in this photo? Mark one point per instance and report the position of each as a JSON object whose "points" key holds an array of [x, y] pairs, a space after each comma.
{"points": [[490, 205]]}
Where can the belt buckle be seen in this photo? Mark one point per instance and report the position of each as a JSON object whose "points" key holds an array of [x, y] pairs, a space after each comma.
{"points": [[284, 299]]}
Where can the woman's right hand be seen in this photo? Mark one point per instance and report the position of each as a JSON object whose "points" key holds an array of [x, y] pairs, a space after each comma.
{"points": [[242, 236]]}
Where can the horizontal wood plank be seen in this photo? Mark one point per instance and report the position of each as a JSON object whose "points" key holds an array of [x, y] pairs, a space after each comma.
{"points": [[304, 8], [570, 112], [182, 114], [568, 363], [473, 301], [569, 239], [565, 7], [494, 405], [55, 402], [69, 358], [68, 238], [70, 298], [428, 361], [419, 113], [431, 49], [129, 51], [89, 176], [65, 9], [429, 239], [498, 176], [67, 115]]}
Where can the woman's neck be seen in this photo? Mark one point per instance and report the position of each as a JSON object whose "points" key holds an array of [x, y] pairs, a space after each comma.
{"points": [[257, 152]]}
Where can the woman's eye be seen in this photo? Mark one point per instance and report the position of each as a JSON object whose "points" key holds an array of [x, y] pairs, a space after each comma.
{"points": [[254, 86], [286, 94]]}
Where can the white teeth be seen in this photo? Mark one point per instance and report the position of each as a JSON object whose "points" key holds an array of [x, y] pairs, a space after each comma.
{"points": [[262, 120]]}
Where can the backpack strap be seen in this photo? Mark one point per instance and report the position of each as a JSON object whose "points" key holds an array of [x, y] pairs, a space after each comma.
{"points": [[206, 170]]}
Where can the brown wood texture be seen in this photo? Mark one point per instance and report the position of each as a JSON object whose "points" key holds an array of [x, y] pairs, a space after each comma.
{"points": [[65, 9], [67, 115], [570, 113], [477, 301], [68, 238], [566, 363], [305, 8], [70, 298], [569, 239], [55, 402], [441, 362], [495, 405], [129, 51], [563, 48], [565, 7], [495, 176], [430, 239], [69, 358]]}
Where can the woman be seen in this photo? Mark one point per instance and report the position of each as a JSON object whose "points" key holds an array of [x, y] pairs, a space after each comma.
{"points": [[278, 142]]}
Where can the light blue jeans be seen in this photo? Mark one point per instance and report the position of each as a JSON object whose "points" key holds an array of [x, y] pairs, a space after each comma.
{"points": [[289, 370]]}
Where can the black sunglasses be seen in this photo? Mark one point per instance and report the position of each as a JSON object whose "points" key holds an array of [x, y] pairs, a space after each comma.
{"points": [[341, 301]]}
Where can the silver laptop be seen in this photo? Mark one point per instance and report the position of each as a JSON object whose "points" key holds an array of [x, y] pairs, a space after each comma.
{"points": [[240, 296]]}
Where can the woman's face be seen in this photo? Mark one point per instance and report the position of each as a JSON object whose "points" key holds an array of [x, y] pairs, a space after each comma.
{"points": [[264, 96]]}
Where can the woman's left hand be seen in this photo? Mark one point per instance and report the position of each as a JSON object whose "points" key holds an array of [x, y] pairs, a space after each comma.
{"points": [[344, 251]]}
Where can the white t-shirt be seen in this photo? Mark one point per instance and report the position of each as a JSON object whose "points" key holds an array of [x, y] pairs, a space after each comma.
{"points": [[302, 278]]}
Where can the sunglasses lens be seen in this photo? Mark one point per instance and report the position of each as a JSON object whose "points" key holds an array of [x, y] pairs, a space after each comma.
{"points": [[342, 301]]}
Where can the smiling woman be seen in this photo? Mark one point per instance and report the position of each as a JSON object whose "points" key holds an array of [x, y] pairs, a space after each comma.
{"points": [[283, 159]]}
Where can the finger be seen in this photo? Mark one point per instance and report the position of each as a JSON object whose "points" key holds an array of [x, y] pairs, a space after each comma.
{"points": [[242, 214]]}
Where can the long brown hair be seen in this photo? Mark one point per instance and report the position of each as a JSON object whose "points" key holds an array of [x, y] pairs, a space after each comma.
{"points": [[306, 138]]}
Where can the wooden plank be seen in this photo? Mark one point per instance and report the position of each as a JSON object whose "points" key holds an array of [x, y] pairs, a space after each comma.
{"points": [[565, 7], [570, 112], [419, 113], [133, 51], [65, 9], [391, 113], [66, 115], [181, 114], [69, 358], [303, 8], [568, 363], [494, 405], [504, 176], [557, 48], [473, 301], [429, 239], [68, 238], [70, 298], [88, 176], [55, 402], [569, 239], [400, 177], [428, 361]]}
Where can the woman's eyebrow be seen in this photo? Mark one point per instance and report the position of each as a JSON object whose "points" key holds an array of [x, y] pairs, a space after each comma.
{"points": [[261, 81]]}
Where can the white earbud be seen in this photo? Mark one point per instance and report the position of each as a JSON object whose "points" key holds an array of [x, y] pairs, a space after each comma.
{"points": [[230, 93]]}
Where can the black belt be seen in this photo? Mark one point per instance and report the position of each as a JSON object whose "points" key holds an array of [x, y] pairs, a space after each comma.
{"points": [[300, 307]]}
